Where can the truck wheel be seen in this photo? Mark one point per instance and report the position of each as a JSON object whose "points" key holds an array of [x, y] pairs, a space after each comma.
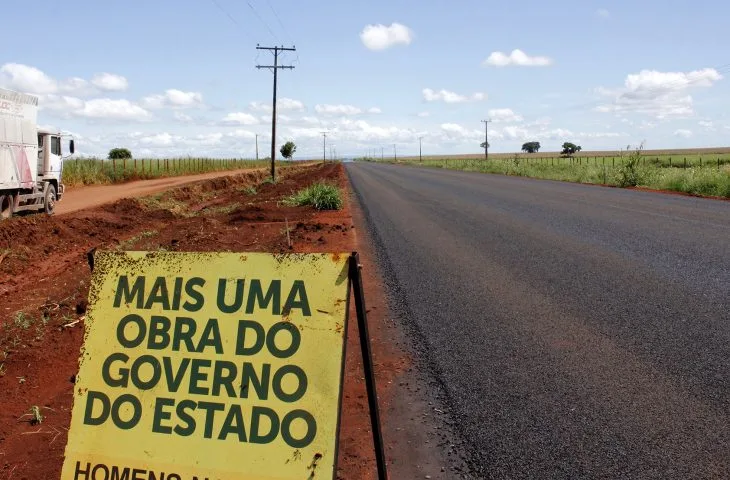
{"points": [[7, 205], [50, 200]]}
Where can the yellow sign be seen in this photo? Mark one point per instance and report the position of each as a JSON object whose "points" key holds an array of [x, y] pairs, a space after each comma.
{"points": [[216, 366]]}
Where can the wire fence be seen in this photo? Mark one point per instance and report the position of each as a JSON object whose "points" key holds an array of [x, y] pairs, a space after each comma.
{"points": [[86, 171]]}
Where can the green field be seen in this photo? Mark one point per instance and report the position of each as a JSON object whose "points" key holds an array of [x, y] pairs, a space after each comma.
{"points": [[91, 171], [694, 172]]}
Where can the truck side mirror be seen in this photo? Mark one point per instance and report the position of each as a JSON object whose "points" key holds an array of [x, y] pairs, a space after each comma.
{"points": [[72, 147]]}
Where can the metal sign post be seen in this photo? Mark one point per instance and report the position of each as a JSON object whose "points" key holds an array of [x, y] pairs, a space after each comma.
{"points": [[367, 362]]}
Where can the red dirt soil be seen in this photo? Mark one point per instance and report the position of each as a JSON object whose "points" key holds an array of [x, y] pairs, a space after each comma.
{"points": [[44, 280]]}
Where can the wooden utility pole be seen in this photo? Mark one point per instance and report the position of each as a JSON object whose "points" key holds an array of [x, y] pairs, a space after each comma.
{"points": [[395, 154], [420, 150], [324, 146], [257, 147], [486, 138], [382, 154], [275, 68]]}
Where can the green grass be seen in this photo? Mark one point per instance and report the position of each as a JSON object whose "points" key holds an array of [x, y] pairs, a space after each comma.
{"points": [[620, 171], [131, 242], [321, 196], [92, 171]]}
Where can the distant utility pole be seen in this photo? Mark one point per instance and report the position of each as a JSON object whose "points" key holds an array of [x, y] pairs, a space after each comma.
{"points": [[486, 138], [395, 154], [257, 147], [324, 146], [275, 68], [382, 154], [420, 150]]}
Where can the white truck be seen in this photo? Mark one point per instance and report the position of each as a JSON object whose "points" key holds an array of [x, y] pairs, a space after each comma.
{"points": [[31, 160]]}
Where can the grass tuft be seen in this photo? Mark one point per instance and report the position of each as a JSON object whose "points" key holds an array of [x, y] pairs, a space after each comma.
{"points": [[321, 196]]}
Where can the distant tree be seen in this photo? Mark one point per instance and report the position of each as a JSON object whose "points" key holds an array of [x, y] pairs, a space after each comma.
{"points": [[483, 144], [119, 154], [288, 150], [571, 148], [531, 147]]}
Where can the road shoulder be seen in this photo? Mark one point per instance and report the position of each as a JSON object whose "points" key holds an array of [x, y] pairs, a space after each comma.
{"points": [[418, 428]]}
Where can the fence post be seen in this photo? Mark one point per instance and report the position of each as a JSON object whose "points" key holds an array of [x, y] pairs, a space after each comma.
{"points": [[114, 165], [124, 165], [670, 162], [718, 163], [685, 162]]}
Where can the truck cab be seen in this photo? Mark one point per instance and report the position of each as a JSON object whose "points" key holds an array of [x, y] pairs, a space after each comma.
{"points": [[50, 159]]}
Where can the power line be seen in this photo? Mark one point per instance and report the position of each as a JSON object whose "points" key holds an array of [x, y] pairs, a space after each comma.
{"points": [[262, 21], [275, 68], [231, 18], [276, 15]]}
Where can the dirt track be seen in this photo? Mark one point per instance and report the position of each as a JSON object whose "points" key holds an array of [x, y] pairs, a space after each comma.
{"points": [[44, 282], [79, 198]]}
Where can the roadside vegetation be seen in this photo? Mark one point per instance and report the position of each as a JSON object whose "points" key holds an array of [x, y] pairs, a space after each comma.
{"points": [[696, 174], [320, 195], [94, 171]]}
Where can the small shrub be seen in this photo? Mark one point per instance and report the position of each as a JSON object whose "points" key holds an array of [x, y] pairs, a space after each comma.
{"points": [[250, 190], [629, 174], [35, 415], [321, 196]]}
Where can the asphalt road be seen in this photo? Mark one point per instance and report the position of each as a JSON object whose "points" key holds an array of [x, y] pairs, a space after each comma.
{"points": [[579, 331]]}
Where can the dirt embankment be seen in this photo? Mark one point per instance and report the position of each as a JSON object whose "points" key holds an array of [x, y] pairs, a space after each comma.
{"points": [[44, 279]]}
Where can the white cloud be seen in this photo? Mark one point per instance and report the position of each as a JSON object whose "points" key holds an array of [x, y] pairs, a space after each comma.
{"points": [[173, 98], [282, 105], [99, 108], [516, 58], [659, 94], [683, 133], [160, 140], [708, 126], [240, 118], [109, 82], [337, 109], [310, 120], [504, 115], [182, 117], [446, 96], [76, 86], [105, 108], [423, 114], [26, 79], [289, 105], [60, 103], [245, 134], [454, 131], [381, 37], [603, 13], [374, 110]]}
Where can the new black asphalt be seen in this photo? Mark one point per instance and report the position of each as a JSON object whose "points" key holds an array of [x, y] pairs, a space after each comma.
{"points": [[579, 331]]}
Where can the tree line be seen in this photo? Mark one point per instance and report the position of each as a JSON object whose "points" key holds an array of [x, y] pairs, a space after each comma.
{"points": [[569, 148]]}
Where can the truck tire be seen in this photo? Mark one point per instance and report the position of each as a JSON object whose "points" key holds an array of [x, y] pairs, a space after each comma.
{"points": [[49, 200], [7, 205]]}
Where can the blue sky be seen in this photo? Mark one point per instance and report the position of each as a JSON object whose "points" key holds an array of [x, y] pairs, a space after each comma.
{"points": [[175, 78]]}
